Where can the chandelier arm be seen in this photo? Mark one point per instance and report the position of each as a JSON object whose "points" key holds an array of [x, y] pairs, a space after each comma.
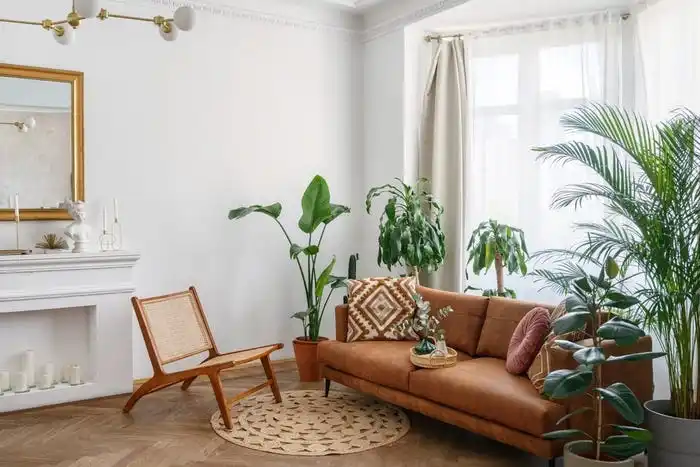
{"points": [[17, 21]]}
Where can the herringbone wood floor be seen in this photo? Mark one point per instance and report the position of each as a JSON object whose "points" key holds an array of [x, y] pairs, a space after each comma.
{"points": [[171, 428]]}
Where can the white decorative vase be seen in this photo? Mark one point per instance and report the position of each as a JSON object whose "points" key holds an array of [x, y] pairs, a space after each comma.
{"points": [[572, 459]]}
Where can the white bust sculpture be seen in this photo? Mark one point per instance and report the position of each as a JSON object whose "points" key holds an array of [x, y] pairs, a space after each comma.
{"points": [[78, 231]]}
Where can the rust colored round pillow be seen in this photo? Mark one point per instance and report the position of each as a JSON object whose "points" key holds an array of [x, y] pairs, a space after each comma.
{"points": [[527, 340]]}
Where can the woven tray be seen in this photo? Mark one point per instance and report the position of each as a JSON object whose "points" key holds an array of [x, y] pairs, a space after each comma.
{"points": [[434, 360]]}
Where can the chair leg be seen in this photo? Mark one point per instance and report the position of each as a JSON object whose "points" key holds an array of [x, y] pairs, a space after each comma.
{"points": [[270, 373], [328, 386], [218, 388], [188, 382], [144, 389]]}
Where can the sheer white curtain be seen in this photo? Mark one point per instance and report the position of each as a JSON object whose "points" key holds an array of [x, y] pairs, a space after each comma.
{"points": [[669, 40], [521, 81]]}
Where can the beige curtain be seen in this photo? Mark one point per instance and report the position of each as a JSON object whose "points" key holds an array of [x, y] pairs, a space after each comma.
{"points": [[442, 147]]}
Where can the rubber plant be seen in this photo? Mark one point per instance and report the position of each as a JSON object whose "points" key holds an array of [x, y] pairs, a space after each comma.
{"points": [[317, 214], [589, 295], [501, 246], [410, 234]]}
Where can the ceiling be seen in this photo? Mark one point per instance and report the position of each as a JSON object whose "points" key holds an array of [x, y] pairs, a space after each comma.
{"points": [[480, 12], [358, 5]]}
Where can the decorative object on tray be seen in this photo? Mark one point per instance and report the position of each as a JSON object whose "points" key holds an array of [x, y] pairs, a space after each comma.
{"points": [[52, 243], [434, 360], [78, 230], [501, 246], [377, 305], [306, 423], [410, 234], [317, 212], [589, 294], [425, 325]]}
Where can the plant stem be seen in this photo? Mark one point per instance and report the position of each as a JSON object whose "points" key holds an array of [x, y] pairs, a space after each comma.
{"points": [[416, 273], [597, 381], [301, 270], [500, 287]]}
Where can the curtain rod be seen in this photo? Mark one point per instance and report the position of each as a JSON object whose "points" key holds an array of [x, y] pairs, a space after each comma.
{"points": [[624, 15]]}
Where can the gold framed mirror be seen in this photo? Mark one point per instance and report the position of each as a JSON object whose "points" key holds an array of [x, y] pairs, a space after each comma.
{"points": [[42, 162]]}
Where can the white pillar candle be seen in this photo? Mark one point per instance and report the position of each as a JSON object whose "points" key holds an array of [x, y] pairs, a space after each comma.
{"points": [[116, 210], [49, 370], [4, 380], [19, 382], [74, 375], [46, 381], [65, 373], [28, 367]]}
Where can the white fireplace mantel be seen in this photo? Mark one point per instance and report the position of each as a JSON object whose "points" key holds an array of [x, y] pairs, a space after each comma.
{"points": [[98, 285]]}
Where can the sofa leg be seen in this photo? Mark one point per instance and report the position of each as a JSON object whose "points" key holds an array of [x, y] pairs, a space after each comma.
{"points": [[328, 386], [553, 462]]}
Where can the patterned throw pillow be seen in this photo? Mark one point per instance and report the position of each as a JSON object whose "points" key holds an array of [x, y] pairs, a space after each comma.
{"points": [[527, 340], [377, 305]]}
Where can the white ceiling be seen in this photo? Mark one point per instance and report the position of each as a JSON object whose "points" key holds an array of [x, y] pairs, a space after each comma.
{"points": [[480, 12], [356, 4]]}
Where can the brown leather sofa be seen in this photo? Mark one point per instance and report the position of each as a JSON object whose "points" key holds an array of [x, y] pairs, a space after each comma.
{"points": [[477, 394]]}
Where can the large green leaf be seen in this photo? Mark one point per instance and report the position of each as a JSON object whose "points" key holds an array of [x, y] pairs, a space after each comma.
{"points": [[612, 270], [624, 401], [574, 305], [324, 279], [566, 345], [570, 322], [619, 300], [295, 250], [623, 446], [589, 356], [634, 357], [563, 434], [562, 384], [315, 204], [622, 332], [273, 210], [640, 434], [337, 210]]}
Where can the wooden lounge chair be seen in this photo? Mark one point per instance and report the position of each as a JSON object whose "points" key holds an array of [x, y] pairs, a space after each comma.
{"points": [[174, 327]]}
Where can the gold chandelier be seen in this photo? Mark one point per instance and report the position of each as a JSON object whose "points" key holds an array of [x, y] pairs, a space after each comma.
{"points": [[22, 126], [64, 30]]}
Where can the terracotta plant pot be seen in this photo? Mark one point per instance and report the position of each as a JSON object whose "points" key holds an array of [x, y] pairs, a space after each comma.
{"points": [[306, 355], [574, 460]]}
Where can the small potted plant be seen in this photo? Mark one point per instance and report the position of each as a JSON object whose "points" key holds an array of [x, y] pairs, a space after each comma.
{"points": [[501, 246], [52, 243], [589, 295], [424, 325], [410, 234], [319, 284]]}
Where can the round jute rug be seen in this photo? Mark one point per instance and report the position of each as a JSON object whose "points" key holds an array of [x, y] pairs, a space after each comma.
{"points": [[308, 424]]}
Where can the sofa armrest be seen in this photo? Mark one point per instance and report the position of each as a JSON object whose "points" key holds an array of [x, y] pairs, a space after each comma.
{"points": [[341, 323], [638, 376]]}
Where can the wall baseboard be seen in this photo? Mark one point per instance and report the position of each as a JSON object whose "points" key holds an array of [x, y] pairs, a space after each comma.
{"points": [[282, 364]]}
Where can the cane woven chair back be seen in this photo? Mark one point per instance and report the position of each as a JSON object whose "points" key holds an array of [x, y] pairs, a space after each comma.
{"points": [[176, 326]]}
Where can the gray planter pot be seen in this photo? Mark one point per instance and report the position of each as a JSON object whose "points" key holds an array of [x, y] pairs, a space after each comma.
{"points": [[676, 441], [573, 460]]}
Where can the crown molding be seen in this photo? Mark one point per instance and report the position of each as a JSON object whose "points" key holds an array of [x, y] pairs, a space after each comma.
{"points": [[400, 19]]}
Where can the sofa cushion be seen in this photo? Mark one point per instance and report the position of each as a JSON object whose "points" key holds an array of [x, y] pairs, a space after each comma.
{"points": [[387, 363], [527, 340], [502, 317], [462, 326], [482, 387], [377, 306]]}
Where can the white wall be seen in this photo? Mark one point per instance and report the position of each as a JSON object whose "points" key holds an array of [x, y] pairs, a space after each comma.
{"points": [[242, 110]]}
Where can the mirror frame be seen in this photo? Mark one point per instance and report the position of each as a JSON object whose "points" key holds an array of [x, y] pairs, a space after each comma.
{"points": [[76, 80]]}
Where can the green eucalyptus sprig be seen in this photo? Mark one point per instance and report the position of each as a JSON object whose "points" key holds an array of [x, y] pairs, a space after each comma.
{"points": [[424, 324], [589, 295]]}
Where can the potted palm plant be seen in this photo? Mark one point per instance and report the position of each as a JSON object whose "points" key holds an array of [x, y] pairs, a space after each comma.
{"points": [[410, 234], [649, 179], [319, 283], [501, 246], [589, 295]]}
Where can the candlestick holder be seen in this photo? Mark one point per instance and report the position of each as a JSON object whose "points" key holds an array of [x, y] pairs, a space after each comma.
{"points": [[116, 235], [106, 241]]}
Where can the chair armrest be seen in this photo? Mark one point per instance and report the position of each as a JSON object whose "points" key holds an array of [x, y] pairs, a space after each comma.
{"points": [[638, 376], [341, 323]]}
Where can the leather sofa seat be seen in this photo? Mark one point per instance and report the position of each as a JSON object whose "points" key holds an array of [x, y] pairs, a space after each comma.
{"points": [[484, 388]]}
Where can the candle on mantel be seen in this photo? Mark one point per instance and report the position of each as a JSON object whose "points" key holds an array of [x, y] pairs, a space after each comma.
{"points": [[116, 210], [16, 207], [4, 380], [104, 218]]}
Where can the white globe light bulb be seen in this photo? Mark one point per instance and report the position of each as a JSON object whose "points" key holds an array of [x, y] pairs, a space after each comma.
{"points": [[87, 8], [64, 35], [30, 123], [184, 18], [23, 128], [170, 35]]}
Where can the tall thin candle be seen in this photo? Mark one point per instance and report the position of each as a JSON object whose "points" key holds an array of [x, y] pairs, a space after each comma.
{"points": [[104, 218], [116, 210], [16, 207]]}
